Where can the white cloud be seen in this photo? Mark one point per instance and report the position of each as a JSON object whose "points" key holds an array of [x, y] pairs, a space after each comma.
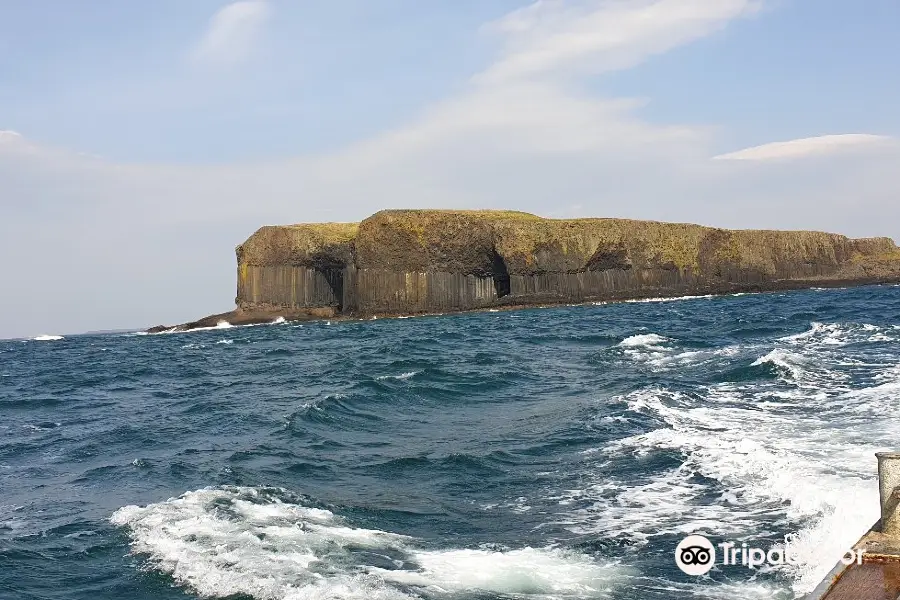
{"points": [[232, 33], [807, 147]]}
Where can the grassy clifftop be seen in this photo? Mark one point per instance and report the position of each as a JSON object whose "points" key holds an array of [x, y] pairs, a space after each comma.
{"points": [[308, 244]]}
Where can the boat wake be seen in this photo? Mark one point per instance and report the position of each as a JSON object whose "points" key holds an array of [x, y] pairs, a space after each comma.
{"points": [[763, 448], [267, 543]]}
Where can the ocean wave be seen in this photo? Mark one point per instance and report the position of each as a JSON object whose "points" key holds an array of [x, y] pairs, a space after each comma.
{"points": [[668, 299], [818, 371], [318, 402], [646, 340], [12, 518], [784, 361], [175, 330], [267, 543], [47, 338], [46, 426], [839, 334], [690, 357], [646, 347], [400, 377]]}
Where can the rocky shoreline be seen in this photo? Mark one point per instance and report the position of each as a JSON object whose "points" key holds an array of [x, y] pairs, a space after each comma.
{"points": [[240, 317]]}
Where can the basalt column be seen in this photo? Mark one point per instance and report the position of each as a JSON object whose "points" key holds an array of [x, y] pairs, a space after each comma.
{"points": [[300, 266], [423, 261]]}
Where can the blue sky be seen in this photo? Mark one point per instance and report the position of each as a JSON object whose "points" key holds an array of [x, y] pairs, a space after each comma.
{"points": [[143, 141]]}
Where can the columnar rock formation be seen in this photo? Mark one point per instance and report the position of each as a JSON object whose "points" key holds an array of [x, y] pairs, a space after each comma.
{"points": [[418, 261]]}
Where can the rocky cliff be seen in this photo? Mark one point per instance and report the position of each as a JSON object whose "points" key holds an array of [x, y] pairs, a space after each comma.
{"points": [[416, 261]]}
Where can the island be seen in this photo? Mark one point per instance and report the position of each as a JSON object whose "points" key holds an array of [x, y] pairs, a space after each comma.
{"points": [[408, 262]]}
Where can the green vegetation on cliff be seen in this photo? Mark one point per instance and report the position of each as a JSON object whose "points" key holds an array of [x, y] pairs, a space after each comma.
{"points": [[305, 244]]}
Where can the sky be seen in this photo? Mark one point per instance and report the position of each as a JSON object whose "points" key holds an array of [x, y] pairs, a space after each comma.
{"points": [[141, 142]]}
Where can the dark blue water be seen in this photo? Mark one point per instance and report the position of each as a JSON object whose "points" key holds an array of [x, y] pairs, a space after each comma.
{"points": [[546, 453]]}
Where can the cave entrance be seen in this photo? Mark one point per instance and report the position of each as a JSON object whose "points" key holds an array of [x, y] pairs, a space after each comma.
{"points": [[335, 280], [501, 275]]}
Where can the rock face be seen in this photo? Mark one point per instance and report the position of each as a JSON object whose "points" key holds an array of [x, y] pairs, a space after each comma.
{"points": [[416, 261]]}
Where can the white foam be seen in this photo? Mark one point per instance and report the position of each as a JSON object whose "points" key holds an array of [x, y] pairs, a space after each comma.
{"points": [[527, 571], [225, 342], [665, 360], [783, 359], [648, 340], [400, 377], [238, 540], [48, 338], [219, 325], [646, 347], [42, 427], [317, 403], [838, 334], [13, 517], [668, 299], [815, 328]]}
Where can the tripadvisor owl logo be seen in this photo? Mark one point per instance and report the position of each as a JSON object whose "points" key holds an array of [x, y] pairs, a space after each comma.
{"points": [[695, 555]]}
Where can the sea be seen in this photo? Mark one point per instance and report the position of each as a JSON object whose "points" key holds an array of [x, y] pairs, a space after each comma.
{"points": [[546, 453]]}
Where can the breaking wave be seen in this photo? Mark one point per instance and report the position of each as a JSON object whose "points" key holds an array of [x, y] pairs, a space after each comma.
{"points": [[667, 299], [268, 544], [400, 377], [647, 340]]}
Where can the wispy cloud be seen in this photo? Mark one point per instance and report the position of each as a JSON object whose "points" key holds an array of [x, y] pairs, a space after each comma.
{"points": [[525, 100], [232, 33], [807, 147], [553, 37], [14, 142]]}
